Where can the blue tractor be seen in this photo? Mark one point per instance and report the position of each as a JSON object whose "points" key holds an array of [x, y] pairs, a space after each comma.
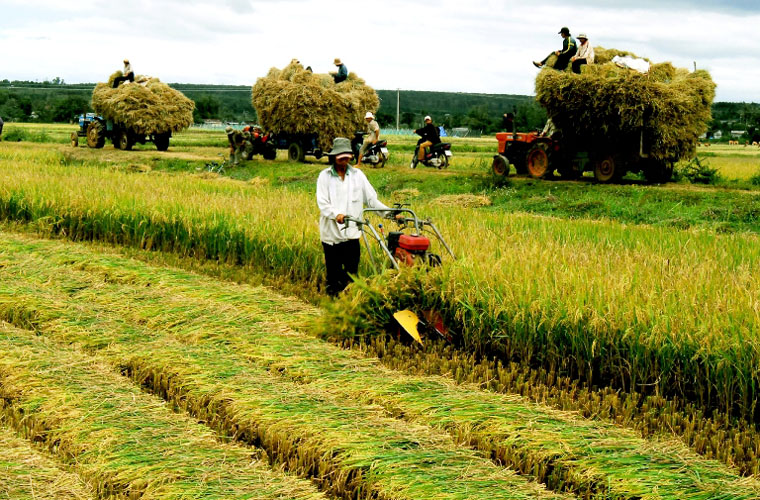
{"points": [[97, 129]]}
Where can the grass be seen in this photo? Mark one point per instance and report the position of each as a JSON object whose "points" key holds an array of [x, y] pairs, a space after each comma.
{"points": [[28, 474], [127, 301], [125, 443]]}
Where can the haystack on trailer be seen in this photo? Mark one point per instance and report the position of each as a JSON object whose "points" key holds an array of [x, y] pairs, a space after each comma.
{"points": [[614, 120], [146, 110], [305, 111]]}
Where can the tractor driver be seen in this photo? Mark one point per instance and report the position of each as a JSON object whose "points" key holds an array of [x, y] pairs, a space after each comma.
{"points": [[372, 137], [127, 74], [342, 190]]}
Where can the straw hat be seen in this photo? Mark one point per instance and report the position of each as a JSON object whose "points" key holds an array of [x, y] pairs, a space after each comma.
{"points": [[583, 36], [369, 115], [428, 118], [337, 61]]}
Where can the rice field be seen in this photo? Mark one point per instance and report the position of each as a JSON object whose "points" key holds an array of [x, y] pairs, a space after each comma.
{"points": [[593, 358]]}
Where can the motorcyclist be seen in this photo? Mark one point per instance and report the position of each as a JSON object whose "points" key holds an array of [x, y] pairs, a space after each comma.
{"points": [[428, 137], [372, 136]]}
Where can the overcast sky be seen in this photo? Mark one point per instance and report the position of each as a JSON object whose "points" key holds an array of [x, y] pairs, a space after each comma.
{"points": [[449, 45]]}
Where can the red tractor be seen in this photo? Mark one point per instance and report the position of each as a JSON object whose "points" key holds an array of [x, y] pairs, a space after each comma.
{"points": [[540, 155]]}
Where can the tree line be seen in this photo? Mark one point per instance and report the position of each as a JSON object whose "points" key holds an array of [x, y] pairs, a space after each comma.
{"points": [[56, 101]]}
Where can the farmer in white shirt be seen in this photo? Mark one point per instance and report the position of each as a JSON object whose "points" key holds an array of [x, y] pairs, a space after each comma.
{"points": [[342, 190], [585, 54]]}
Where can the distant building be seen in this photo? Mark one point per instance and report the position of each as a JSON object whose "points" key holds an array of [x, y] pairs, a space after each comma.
{"points": [[718, 134], [737, 133]]}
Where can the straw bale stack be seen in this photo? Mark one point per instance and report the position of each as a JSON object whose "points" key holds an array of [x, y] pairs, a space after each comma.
{"points": [[149, 108], [607, 104], [293, 100]]}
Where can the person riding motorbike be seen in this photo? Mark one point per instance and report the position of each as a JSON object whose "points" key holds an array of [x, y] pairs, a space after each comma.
{"points": [[372, 136], [428, 137]]}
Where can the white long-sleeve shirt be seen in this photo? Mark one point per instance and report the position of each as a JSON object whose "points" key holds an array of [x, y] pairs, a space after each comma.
{"points": [[346, 196], [127, 69], [586, 51]]}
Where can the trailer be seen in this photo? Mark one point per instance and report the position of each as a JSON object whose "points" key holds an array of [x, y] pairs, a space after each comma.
{"points": [[97, 129]]}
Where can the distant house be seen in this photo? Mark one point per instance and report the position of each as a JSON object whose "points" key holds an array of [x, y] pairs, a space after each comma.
{"points": [[213, 122], [737, 133], [718, 134]]}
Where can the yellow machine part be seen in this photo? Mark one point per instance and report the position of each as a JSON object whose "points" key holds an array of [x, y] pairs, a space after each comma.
{"points": [[409, 321]]}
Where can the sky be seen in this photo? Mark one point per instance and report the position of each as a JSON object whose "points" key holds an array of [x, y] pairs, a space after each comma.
{"points": [[478, 46]]}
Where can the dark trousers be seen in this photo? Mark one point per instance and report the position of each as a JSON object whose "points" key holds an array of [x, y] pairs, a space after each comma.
{"points": [[340, 260], [562, 60], [577, 65], [119, 79]]}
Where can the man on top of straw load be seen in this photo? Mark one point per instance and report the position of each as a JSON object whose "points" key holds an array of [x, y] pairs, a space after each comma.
{"points": [[127, 74], [585, 54], [342, 190], [342, 72], [569, 48], [372, 136]]}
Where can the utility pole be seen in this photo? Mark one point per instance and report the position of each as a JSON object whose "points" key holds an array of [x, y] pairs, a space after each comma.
{"points": [[398, 94]]}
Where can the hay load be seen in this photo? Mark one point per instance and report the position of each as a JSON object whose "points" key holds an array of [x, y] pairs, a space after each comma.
{"points": [[146, 106], [296, 101], [610, 105]]}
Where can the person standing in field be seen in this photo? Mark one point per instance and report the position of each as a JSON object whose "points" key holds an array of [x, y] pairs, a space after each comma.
{"points": [[569, 48], [1, 127], [585, 54], [342, 190], [237, 146], [373, 134], [428, 137], [342, 72], [126, 74]]}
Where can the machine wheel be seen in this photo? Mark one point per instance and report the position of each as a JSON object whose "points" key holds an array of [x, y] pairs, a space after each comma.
{"points": [[269, 154], [658, 172], [444, 162], [606, 169], [162, 141], [123, 140], [500, 165], [75, 139], [96, 135], [538, 161], [295, 152]]}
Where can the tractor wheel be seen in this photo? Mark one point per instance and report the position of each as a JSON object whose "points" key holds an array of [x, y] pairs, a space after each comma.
{"points": [[295, 152], [162, 141], [658, 172], [75, 139], [500, 165], [538, 161], [269, 153], [96, 135], [123, 140], [606, 169]]}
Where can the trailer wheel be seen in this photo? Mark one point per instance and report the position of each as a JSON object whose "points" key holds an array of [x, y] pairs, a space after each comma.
{"points": [[539, 162], [269, 153], [96, 135], [162, 141], [606, 169], [500, 165], [123, 140], [295, 152], [658, 172], [75, 139]]}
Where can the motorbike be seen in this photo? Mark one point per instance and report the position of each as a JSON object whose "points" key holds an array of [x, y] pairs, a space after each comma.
{"points": [[375, 155], [438, 156]]}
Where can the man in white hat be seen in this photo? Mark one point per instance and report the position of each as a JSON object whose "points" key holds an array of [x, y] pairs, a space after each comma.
{"points": [[126, 74], [585, 54], [342, 72], [373, 134], [342, 190]]}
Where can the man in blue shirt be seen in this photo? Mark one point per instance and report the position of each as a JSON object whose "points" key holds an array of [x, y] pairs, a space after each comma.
{"points": [[569, 48], [342, 73]]}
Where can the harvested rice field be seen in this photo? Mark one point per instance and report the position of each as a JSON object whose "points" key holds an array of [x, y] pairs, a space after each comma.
{"points": [[164, 334]]}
